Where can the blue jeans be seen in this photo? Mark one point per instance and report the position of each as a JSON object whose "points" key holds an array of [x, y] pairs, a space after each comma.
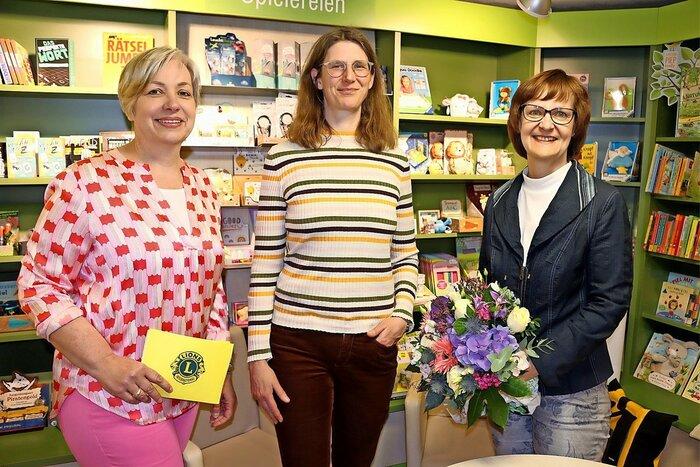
{"points": [[569, 425]]}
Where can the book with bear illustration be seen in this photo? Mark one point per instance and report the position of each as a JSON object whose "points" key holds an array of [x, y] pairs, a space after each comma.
{"points": [[667, 362]]}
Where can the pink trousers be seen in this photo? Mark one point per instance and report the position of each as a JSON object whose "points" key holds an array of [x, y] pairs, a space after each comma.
{"points": [[98, 438]]}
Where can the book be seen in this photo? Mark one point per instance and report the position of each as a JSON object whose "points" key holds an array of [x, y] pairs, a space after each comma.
{"points": [[117, 49], [688, 113], [249, 160], [114, 139], [54, 62], [501, 96], [694, 178], [692, 387], [426, 220], [459, 152], [414, 90], [222, 183], [24, 403], [468, 249], [12, 318], [618, 97], [288, 64], [51, 158], [80, 147], [674, 302], [436, 151], [195, 368], [415, 148], [236, 224], [667, 362], [23, 62], [263, 53], [10, 60], [620, 163], [240, 314], [220, 125], [22, 149], [9, 233], [589, 157], [5, 66], [662, 166]]}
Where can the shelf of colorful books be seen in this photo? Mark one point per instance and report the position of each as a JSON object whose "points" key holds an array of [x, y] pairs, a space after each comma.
{"points": [[672, 323], [449, 119], [43, 447], [675, 258], [25, 181], [16, 336], [210, 89], [618, 120], [674, 139], [458, 178], [10, 259], [679, 199], [78, 90], [625, 184], [655, 398]]}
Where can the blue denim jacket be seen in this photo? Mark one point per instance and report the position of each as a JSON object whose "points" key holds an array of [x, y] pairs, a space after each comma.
{"points": [[578, 276]]}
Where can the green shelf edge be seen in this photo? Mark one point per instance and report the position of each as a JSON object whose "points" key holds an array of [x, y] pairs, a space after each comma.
{"points": [[678, 199], [674, 258], [16, 336], [628, 184], [403, 117], [10, 259], [25, 181], [618, 120], [458, 178], [668, 322], [29, 448], [673, 139]]}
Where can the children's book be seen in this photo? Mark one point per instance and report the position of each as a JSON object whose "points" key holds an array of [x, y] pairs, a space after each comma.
{"points": [[415, 148], [263, 59], [620, 162], [117, 49], [82, 147], [54, 62], [235, 226], [414, 90], [694, 179], [675, 302], [692, 282], [692, 388], [436, 151], [24, 403], [114, 139], [459, 152], [426, 220], [688, 116], [9, 233], [22, 150], [52, 156], [249, 160], [589, 157], [667, 362], [618, 97], [288, 64], [502, 93]]}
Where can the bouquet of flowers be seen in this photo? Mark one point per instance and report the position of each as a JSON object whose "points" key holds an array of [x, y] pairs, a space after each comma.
{"points": [[470, 350]]}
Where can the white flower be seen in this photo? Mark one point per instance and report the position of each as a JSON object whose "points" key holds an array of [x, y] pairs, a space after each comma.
{"points": [[415, 357], [427, 342], [521, 362], [518, 319], [495, 287], [461, 307], [429, 326], [454, 379], [454, 295]]}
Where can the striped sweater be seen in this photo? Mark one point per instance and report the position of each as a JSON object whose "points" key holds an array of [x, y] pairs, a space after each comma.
{"points": [[334, 242]]}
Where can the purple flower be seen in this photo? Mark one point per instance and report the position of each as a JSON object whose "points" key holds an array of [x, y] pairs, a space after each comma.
{"points": [[474, 349], [441, 312]]}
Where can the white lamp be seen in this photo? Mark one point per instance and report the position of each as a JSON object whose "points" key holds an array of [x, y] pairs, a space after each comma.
{"points": [[537, 8]]}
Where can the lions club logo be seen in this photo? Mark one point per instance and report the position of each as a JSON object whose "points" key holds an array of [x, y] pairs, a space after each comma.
{"points": [[187, 367]]}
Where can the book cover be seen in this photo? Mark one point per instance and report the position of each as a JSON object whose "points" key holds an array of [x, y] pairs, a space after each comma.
{"points": [[688, 113], [263, 52], [415, 148], [10, 60], [618, 97], [414, 90], [222, 183], [692, 387], [288, 64], [459, 152], [17, 61], [114, 139], [22, 149], [236, 224], [486, 162], [52, 156], [502, 93], [674, 302], [426, 220], [3, 159], [667, 362], [24, 403], [436, 151], [694, 179], [81, 147], [23, 60], [249, 161], [117, 49], [5, 66], [54, 62], [9, 233], [589, 157], [620, 163]]}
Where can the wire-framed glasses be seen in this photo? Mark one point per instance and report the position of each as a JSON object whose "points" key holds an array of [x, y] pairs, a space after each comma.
{"points": [[336, 68], [535, 113]]}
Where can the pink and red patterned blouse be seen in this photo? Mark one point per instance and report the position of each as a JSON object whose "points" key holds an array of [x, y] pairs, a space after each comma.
{"points": [[106, 247]]}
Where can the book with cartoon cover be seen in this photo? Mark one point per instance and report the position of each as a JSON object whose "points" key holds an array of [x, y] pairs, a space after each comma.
{"points": [[414, 90]]}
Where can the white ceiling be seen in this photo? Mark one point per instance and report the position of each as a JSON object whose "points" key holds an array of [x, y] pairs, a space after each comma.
{"points": [[570, 5]]}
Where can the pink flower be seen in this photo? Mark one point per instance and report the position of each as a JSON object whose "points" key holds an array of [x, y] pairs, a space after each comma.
{"points": [[444, 356], [486, 380]]}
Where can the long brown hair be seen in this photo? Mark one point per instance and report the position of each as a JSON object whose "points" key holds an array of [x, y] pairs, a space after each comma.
{"points": [[552, 84], [310, 129]]}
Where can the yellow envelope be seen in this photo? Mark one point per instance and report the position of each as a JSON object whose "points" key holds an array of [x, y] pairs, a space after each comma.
{"points": [[195, 368]]}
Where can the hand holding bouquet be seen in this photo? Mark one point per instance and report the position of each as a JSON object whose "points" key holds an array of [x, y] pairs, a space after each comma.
{"points": [[472, 346]]}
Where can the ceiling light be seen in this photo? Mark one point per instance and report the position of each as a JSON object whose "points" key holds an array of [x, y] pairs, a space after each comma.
{"points": [[537, 8]]}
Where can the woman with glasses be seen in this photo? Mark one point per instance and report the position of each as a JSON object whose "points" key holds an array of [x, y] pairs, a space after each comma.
{"points": [[334, 273], [560, 239]]}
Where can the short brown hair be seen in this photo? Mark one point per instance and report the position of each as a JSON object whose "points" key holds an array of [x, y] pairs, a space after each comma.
{"points": [[141, 70], [552, 84], [310, 129]]}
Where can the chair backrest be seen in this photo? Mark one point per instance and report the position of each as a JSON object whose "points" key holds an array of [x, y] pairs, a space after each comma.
{"points": [[246, 417]]}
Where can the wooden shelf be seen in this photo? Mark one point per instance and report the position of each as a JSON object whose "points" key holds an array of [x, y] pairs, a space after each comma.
{"points": [[618, 120], [244, 91], [626, 184], [25, 181], [41, 447], [458, 178], [11, 259], [674, 139], [674, 258], [17, 336], [448, 119], [669, 322], [91, 91], [678, 199]]}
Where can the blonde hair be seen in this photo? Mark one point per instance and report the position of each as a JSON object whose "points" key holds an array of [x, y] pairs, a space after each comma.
{"points": [[142, 69], [309, 129]]}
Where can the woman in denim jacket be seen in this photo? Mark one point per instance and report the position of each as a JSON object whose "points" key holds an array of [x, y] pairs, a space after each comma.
{"points": [[560, 239]]}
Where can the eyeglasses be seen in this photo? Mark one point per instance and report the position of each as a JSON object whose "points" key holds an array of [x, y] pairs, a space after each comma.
{"points": [[535, 113], [336, 68]]}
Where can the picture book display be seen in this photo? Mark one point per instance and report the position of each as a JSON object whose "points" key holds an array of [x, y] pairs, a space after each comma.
{"points": [[51, 157], [117, 49], [9, 233], [414, 90], [415, 147], [502, 93], [220, 125], [618, 97], [228, 61], [692, 387], [22, 150], [620, 163], [24, 403], [54, 62], [682, 288], [673, 234], [667, 362], [671, 172], [688, 116], [589, 157]]}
